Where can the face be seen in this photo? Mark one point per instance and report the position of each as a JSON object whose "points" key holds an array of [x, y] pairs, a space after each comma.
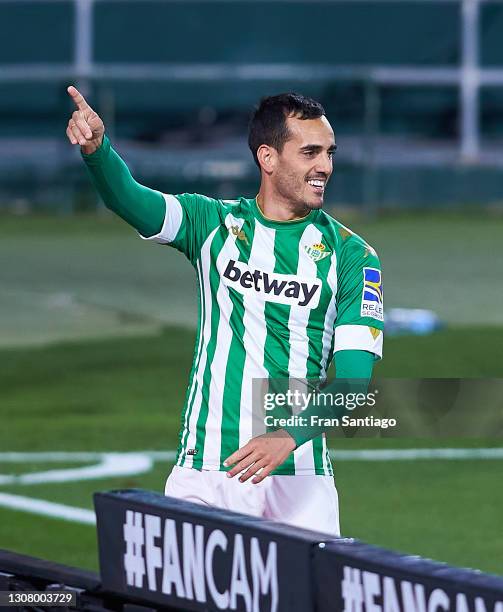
{"points": [[302, 169]]}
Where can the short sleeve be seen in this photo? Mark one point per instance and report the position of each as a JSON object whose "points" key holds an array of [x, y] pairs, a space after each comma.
{"points": [[189, 220], [360, 316]]}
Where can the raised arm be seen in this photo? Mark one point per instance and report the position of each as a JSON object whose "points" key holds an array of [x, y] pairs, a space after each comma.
{"points": [[141, 207]]}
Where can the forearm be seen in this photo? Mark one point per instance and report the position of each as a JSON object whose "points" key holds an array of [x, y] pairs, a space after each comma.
{"points": [[141, 207], [353, 370], [354, 364]]}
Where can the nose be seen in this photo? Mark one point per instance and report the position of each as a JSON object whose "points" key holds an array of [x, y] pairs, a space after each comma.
{"points": [[324, 165]]}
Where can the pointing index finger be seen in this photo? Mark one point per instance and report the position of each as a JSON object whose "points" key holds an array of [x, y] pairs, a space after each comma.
{"points": [[78, 98]]}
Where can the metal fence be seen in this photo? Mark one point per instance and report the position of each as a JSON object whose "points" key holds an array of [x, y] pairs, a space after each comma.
{"points": [[468, 76]]}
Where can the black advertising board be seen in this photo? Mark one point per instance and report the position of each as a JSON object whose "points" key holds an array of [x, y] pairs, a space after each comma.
{"points": [[163, 551], [351, 576]]}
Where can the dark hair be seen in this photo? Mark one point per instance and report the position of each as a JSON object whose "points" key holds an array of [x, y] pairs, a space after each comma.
{"points": [[268, 122]]}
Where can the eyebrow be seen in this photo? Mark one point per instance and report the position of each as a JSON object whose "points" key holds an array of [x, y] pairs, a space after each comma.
{"points": [[313, 147]]}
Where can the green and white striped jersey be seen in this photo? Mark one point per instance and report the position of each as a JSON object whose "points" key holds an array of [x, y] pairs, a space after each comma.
{"points": [[276, 300]]}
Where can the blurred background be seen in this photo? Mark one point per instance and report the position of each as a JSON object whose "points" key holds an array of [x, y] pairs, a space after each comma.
{"points": [[414, 90], [97, 327]]}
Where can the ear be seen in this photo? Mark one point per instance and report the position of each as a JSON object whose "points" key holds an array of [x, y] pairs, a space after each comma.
{"points": [[267, 157]]}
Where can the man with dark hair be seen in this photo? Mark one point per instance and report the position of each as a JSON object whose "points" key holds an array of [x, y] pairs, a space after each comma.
{"points": [[284, 288], [268, 123]]}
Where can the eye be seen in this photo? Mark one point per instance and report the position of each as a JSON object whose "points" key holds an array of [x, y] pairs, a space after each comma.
{"points": [[309, 153]]}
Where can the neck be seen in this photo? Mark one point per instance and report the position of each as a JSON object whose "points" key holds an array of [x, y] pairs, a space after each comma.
{"points": [[276, 208]]}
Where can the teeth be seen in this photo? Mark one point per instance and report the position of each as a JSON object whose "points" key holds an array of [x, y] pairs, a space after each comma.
{"points": [[316, 183]]}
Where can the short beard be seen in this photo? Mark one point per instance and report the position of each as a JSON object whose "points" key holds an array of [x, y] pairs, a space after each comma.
{"points": [[311, 206], [284, 188]]}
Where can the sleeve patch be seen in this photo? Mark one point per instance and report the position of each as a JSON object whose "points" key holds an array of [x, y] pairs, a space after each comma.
{"points": [[372, 297]]}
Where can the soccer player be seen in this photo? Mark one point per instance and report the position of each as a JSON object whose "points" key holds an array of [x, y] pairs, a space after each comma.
{"points": [[283, 289]]}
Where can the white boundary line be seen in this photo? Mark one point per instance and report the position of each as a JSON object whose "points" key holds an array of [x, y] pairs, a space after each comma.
{"points": [[392, 454], [111, 464], [408, 454], [15, 457], [68, 456], [46, 508], [122, 464]]}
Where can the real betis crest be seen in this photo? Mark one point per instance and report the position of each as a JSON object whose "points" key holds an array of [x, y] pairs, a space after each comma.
{"points": [[317, 251]]}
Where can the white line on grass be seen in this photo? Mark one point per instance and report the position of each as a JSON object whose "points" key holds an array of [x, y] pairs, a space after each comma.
{"points": [[49, 456], [111, 465], [121, 464], [77, 456], [408, 454], [46, 508], [392, 454]]}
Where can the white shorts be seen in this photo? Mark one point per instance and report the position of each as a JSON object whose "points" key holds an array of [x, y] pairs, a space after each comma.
{"points": [[310, 502]]}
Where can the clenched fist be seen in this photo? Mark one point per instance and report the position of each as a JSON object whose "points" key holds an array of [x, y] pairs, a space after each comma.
{"points": [[85, 126]]}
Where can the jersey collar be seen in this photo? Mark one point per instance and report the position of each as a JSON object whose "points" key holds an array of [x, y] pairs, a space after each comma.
{"points": [[259, 215]]}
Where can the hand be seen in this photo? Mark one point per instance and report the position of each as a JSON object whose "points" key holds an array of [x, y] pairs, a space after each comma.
{"points": [[85, 126], [263, 453]]}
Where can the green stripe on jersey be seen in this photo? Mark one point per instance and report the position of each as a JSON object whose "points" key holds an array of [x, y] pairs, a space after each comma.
{"points": [[208, 378], [189, 399], [277, 348], [234, 371], [269, 299]]}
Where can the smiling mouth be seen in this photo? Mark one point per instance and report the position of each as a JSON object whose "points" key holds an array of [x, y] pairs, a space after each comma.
{"points": [[318, 185]]}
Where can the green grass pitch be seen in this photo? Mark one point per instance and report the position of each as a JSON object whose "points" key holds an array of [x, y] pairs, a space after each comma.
{"points": [[95, 349]]}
